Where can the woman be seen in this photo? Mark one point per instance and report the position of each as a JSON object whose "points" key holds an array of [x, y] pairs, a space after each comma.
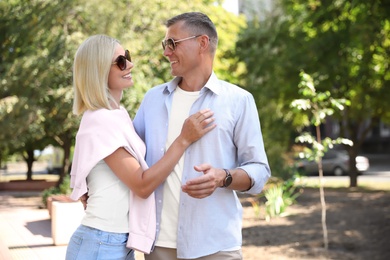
{"points": [[108, 161]]}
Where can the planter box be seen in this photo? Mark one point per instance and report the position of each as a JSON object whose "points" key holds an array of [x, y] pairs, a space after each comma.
{"points": [[66, 216], [58, 198], [24, 185]]}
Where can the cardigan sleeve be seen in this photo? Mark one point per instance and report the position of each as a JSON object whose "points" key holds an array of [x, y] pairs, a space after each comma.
{"points": [[100, 133]]}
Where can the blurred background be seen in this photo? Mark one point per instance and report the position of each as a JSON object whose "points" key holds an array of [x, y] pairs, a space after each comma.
{"points": [[318, 70], [264, 46]]}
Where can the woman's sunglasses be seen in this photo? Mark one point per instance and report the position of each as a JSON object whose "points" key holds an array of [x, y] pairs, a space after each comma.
{"points": [[171, 43], [121, 61]]}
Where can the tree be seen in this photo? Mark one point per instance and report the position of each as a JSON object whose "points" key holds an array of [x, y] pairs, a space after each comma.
{"points": [[344, 45], [37, 66], [37, 45], [319, 106]]}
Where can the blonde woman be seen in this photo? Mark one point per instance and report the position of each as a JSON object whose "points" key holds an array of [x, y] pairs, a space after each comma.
{"points": [[108, 162]]}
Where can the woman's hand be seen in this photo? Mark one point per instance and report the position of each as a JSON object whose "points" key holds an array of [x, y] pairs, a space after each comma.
{"points": [[197, 125], [84, 200]]}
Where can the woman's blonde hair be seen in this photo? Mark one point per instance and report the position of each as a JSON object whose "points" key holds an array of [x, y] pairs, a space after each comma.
{"points": [[91, 67]]}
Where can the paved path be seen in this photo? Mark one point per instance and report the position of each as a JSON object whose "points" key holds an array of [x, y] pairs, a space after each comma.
{"points": [[25, 228]]}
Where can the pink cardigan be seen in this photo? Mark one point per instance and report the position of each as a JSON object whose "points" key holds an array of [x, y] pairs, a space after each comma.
{"points": [[101, 132]]}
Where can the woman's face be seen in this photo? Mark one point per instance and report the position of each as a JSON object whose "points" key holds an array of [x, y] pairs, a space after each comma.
{"points": [[118, 79]]}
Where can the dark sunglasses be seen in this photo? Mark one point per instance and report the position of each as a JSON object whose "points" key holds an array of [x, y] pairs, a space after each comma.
{"points": [[121, 61], [171, 43]]}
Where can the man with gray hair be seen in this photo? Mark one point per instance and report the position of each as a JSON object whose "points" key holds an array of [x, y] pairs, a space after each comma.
{"points": [[199, 215]]}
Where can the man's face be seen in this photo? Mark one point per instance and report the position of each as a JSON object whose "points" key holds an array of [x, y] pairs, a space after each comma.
{"points": [[183, 56]]}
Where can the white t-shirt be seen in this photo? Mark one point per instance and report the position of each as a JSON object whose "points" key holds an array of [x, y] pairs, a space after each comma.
{"points": [[181, 105], [108, 202]]}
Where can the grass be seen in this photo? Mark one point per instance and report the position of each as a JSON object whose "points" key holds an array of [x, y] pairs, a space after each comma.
{"points": [[304, 181], [16, 177], [344, 183]]}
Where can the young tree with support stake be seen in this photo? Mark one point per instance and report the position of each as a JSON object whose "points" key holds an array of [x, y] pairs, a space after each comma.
{"points": [[319, 105]]}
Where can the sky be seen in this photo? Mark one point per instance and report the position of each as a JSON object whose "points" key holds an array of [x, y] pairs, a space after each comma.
{"points": [[231, 6]]}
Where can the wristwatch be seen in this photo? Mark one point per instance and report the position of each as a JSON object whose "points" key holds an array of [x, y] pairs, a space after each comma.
{"points": [[228, 179]]}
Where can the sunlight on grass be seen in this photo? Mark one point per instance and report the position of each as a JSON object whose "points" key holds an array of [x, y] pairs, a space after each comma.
{"points": [[47, 177], [343, 183]]}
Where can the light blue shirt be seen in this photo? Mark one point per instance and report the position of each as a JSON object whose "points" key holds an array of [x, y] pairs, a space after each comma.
{"points": [[214, 223]]}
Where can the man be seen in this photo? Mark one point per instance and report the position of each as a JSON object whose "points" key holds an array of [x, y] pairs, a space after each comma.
{"points": [[198, 213]]}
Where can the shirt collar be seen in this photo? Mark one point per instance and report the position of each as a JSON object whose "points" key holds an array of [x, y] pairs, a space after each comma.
{"points": [[212, 84]]}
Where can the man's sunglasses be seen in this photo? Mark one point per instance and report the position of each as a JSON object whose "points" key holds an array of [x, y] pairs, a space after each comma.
{"points": [[121, 61], [171, 43]]}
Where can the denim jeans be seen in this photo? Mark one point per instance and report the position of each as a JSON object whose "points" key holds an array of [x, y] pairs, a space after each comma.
{"points": [[90, 243]]}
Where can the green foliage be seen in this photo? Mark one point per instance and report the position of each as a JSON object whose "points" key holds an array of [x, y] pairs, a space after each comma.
{"points": [[63, 188], [318, 149], [319, 105], [40, 37], [279, 196], [37, 58], [227, 66], [343, 44]]}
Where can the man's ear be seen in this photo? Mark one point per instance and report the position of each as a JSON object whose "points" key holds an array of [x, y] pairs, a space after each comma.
{"points": [[204, 42]]}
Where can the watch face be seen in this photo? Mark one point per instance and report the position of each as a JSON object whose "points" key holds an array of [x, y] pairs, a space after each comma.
{"points": [[228, 180]]}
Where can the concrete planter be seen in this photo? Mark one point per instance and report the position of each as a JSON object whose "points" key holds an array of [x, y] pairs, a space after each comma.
{"points": [[66, 216]]}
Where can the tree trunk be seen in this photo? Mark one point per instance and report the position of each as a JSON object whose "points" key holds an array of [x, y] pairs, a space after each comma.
{"points": [[1, 160], [322, 194], [29, 158], [353, 174], [66, 161]]}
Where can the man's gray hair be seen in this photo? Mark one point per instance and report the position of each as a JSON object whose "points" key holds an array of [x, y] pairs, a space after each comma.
{"points": [[198, 24]]}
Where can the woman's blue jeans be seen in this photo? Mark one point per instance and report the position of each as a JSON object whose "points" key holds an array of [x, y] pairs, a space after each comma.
{"points": [[89, 243]]}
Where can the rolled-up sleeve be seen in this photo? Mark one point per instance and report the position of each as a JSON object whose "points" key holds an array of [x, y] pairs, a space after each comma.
{"points": [[250, 146]]}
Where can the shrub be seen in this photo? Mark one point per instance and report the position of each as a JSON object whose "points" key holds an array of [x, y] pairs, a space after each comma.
{"points": [[63, 188], [279, 196]]}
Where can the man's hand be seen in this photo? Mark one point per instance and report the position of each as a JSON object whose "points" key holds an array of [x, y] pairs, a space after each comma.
{"points": [[84, 200], [206, 184]]}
